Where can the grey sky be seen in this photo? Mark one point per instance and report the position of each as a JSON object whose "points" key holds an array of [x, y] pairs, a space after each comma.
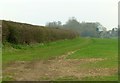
{"points": [[42, 11]]}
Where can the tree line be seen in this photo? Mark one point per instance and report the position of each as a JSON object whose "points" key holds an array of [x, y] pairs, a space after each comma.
{"points": [[85, 29]]}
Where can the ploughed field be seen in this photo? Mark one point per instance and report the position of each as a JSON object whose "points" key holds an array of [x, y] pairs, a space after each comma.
{"points": [[83, 59]]}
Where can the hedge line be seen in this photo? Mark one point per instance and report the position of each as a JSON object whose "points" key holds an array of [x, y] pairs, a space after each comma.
{"points": [[21, 33]]}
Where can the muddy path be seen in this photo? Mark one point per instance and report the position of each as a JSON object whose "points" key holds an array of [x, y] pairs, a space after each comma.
{"points": [[55, 68]]}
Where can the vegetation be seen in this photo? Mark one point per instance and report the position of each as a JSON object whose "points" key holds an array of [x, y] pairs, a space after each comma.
{"points": [[86, 29], [100, 48], [12, 52], [89, 50], [27, 51], [21, 33]]}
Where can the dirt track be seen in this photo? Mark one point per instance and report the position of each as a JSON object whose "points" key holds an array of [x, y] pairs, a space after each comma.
{"points": [[53, 69]]}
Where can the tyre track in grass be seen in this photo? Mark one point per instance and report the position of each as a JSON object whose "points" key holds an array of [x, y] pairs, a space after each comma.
{"points": [[55, 68]]}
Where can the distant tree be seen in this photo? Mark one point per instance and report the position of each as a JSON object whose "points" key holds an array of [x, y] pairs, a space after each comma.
{"points": [[72, 24], [84, 29], [114, 32], [54, 24]]}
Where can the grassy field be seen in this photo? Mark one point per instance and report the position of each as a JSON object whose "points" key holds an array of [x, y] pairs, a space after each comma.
{"points": [[42, 51], [77, 59], [100, 48]]}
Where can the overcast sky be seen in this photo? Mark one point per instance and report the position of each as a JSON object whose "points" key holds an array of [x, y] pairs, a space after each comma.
{"points": [[42, 11]]}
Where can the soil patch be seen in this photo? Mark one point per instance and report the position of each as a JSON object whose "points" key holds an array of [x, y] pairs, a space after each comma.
{"points": [[53, 69]]}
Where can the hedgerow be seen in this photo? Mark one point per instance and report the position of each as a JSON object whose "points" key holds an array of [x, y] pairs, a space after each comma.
{"points": [[22, 33]]}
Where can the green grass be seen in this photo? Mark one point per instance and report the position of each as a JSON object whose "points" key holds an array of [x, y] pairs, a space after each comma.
{"points": [[42, 51], [94, 78], [100, 48], [88, 48], [66, 78], [0, 62], [99, 78]]}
